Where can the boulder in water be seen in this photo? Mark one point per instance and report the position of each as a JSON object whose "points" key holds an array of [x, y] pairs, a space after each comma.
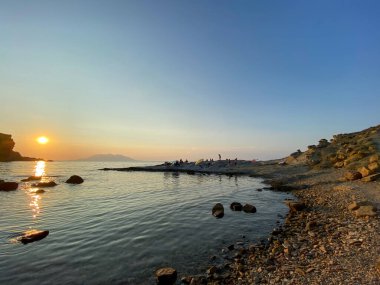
{"points": [[33, 235], [248, 208], [236, 206], [218, 210], [8, 186], [75, 179], [166, 276]]}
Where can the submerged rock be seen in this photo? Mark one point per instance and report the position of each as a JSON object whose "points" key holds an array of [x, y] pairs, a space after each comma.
{"points": [[166, 276], [45, 184], [75, 179], [218, 210], [33, 235], [236, 206], [31, 178], [8, 186]]}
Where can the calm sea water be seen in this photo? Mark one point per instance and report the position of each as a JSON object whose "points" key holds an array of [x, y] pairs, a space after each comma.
{"points": [[119, 227]]}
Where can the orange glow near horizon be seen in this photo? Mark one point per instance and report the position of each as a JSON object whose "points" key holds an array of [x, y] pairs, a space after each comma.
{"points": [[42, 140]]}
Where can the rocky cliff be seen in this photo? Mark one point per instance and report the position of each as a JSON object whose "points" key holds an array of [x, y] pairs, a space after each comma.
{"points": [[349, 151], [6, 150]]}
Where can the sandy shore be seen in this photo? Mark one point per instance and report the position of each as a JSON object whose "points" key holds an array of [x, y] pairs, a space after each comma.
{"points": [[324, 243]]}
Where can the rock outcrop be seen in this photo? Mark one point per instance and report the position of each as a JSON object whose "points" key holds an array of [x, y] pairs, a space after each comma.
{"points": [[351, 151], [6, 150]]}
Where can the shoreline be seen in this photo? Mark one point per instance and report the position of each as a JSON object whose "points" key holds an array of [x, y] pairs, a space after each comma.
{"points": [[324, 243]]}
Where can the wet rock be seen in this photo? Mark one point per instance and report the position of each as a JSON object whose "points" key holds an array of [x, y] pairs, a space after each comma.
{"points": [[218, 210], [8, 186], [231, 247], [248, 208], [371, 178], [236, 206], [31, 178], [166, 276], [45, 184], [40, 191], [212, 270], [75, 179], [186, 279], [352, 175], [33, 235]]}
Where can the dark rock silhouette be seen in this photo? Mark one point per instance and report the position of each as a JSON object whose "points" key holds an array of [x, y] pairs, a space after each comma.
{"points": [[33, 235], [6, 150], [218, 210], [8, 186], [75, 179]]}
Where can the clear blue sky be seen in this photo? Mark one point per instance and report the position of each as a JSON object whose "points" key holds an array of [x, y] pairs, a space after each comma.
{"points": [[190, 79]]}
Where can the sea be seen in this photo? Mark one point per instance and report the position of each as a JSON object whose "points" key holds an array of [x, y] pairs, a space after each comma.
{"points": [[120, 227]]}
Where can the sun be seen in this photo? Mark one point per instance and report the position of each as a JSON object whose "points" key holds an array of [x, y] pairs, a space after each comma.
{"points": [[42, 140]]}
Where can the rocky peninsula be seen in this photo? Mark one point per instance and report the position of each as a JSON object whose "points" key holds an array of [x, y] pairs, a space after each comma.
{"points": [[6, 150], [332, 239]]}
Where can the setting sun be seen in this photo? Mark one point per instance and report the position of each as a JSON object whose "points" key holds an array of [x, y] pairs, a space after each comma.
{"points": [[42, 140]]}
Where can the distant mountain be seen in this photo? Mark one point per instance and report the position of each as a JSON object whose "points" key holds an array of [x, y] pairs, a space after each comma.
{"points": [[107, 157]]}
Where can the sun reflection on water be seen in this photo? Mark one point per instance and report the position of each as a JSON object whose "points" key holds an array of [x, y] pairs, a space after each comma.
{"points": [[39, 169], [34, 204]]}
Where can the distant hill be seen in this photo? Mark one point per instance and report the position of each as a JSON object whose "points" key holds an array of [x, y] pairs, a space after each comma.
{"points": [[107, 157]]}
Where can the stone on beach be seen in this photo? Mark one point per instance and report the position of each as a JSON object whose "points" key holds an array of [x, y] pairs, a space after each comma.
{"points": [[248, 208], [364, 171], [218, 210], [45, 184], [295, 206], [8, 186], [166, 276], [366, 211], [352, 175], [236, 206], [75, 179]]}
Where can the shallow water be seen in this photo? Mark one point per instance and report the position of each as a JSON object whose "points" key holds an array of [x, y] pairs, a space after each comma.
{"points": [[118, 227]]}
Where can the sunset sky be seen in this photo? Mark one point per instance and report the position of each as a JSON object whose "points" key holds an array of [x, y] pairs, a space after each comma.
{"points": [[162, 80]]}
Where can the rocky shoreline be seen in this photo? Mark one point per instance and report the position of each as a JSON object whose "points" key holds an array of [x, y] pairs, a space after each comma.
{"points": [[331, 233]]}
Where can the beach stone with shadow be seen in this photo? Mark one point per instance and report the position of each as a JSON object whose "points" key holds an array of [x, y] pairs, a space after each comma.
{"points": [[8, 186], [371, 178], [295, 206], [248, 208], [218, 210], [236, 206], [166, 276], [75, 179]]}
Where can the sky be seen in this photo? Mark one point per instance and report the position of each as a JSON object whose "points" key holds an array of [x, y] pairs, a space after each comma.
{"points": [[164, 80]]}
